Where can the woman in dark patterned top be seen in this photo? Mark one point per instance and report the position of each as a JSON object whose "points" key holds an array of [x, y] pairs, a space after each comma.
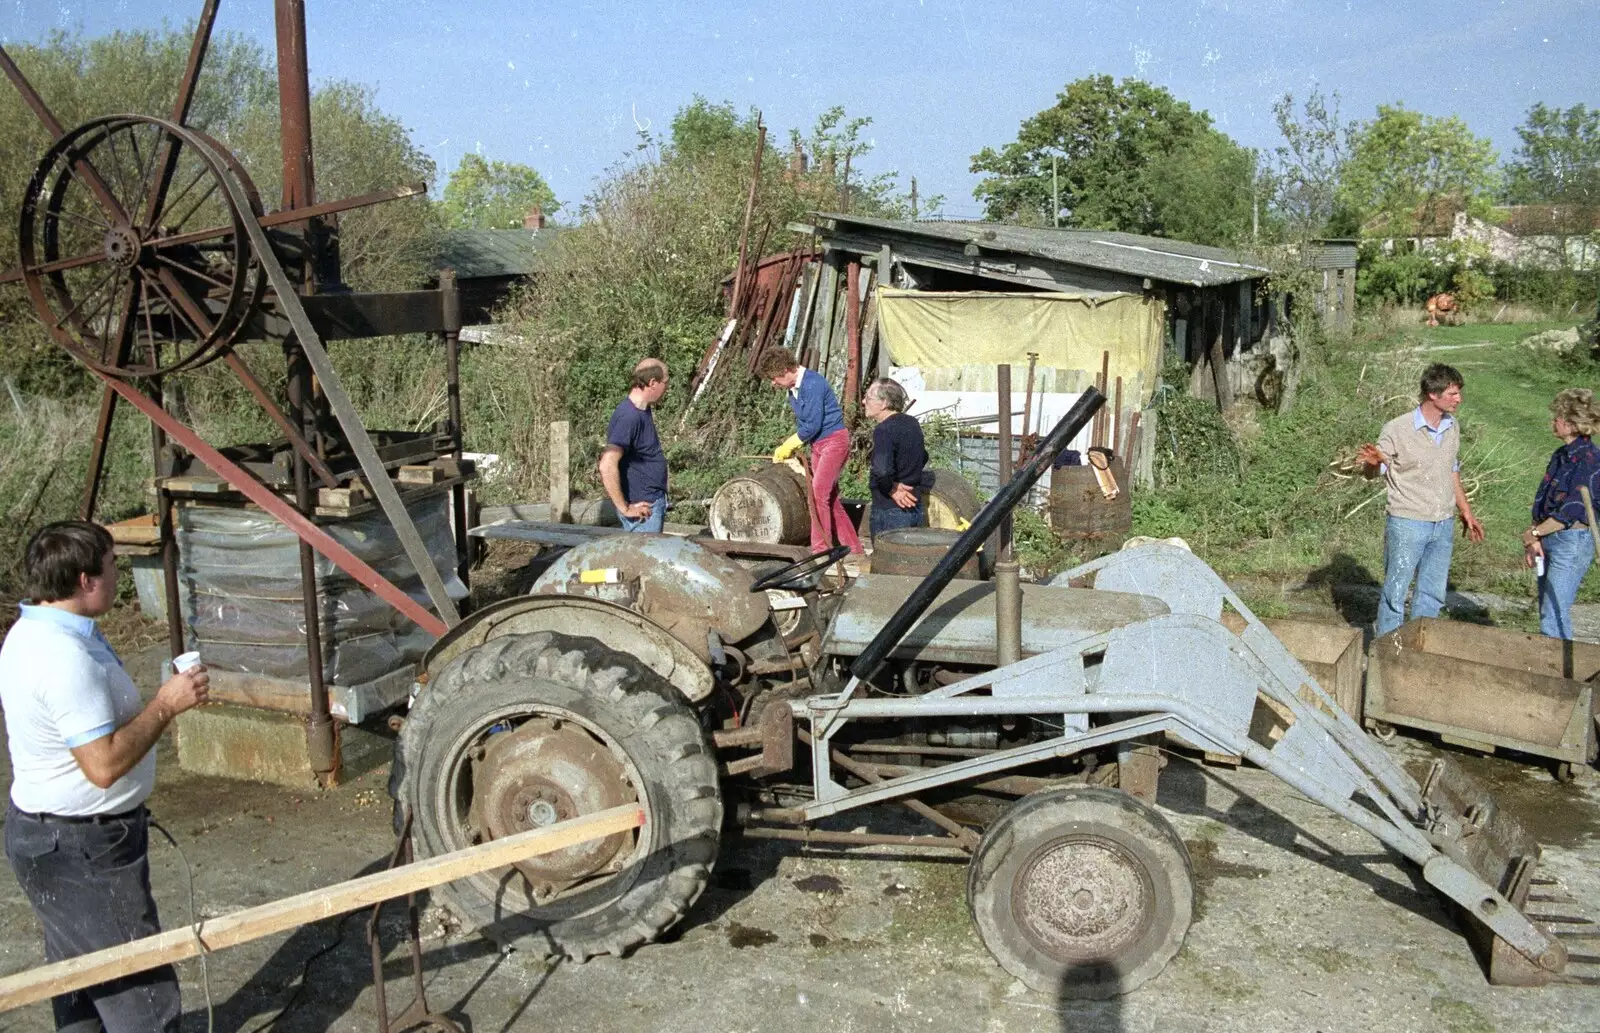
{"points": [[1560, 533]]}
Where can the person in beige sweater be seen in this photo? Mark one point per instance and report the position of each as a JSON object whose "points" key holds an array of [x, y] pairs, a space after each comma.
{"points": [[1416, 455]]}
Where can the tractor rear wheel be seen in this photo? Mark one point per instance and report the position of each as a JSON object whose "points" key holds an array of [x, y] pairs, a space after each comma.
{"points": [[529, 730], [1081, 892]]}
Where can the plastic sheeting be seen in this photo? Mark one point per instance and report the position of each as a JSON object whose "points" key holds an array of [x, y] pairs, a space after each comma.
{"points": [[240, 592], [957, 331]]}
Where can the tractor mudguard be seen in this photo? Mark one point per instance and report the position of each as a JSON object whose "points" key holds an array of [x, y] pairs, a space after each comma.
{"points": [[618, 627]]}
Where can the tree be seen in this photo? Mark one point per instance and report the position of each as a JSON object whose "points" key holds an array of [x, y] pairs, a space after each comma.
{"points": [[702, 130], [1307, 165], [494, 194], [1127, 156], [1403, 165], [1559, 159], [1558, 164]]}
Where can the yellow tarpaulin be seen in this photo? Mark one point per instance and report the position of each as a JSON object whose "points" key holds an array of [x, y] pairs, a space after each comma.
{"points": [[1070, 332]]}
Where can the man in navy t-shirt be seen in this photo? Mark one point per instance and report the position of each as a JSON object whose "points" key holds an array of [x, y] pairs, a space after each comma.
{"points": [[633, 468]]}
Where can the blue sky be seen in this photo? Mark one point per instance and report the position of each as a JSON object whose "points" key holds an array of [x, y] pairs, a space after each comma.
{"points": [[562, 86]]}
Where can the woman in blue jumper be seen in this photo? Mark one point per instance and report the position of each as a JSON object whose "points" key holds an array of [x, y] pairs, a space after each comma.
{"points": [[819, 424], [1560, 533]]}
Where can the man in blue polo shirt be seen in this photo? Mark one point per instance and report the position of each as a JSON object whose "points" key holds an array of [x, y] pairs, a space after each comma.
{"points": [[83, 762], [633, 469]]}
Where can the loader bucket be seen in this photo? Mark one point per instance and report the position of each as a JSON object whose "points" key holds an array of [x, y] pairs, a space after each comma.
{"points": [[1471, 829]]}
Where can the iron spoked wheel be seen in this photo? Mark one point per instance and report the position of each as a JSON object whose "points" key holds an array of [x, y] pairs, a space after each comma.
{"points": [[526, 731], [1081, 892], [132, 254]]}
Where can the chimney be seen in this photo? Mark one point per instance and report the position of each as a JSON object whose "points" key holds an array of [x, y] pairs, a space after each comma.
{"points": [[534, 219]]}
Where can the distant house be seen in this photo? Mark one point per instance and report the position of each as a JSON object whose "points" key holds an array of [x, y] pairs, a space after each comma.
{"points": [[1543, 236], [490, 264]]}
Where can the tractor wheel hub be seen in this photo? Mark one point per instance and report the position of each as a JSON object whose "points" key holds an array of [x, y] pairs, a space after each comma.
{"points": [[543, 772], [1083, 898]]}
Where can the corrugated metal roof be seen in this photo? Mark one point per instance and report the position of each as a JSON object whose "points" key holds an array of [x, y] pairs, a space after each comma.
{"points": [[485, 254], [1131, 254]]}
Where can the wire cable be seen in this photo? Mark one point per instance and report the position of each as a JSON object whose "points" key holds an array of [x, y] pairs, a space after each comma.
{"points": [[194, 924]]}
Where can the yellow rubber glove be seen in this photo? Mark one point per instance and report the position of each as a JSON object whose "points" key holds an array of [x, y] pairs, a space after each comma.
{"points": [[787, 449], [962, 523]]}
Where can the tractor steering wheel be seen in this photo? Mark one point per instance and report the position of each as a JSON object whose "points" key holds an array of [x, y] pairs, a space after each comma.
{"points": [[796, 574]]}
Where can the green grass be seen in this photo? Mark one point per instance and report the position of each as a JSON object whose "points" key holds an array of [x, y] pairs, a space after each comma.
{"points": [[1286, 513]]}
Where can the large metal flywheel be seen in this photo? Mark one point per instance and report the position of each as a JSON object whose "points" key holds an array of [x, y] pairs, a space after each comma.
{"points": [[133, 252]]}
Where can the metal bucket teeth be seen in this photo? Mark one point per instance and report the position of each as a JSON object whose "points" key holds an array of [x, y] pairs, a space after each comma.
{"points": [[1467, 826]]}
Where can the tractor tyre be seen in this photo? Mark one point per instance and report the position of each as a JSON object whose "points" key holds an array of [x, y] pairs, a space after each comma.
{"points": [[1081, 892], [528, 730]]}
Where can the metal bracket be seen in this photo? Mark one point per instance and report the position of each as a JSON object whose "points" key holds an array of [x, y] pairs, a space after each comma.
{"points": [[416, 1014]]}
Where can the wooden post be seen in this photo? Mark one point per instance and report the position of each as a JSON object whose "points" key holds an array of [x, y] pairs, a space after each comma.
{"points": [[1219, 362], [38, 984], [852, 337], [874, 360], [560, 472], [827, 293], [1098, 435], [1117, 443]]}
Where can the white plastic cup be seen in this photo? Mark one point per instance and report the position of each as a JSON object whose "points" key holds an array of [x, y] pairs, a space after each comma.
{"points": [[1538, 565], [185, 661]]}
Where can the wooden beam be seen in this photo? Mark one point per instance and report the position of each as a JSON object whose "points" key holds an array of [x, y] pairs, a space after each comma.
{"points": [[560, 472], [38, 984]]}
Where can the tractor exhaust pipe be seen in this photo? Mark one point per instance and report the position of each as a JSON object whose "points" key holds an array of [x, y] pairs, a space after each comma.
{"points": [[988, 519]]}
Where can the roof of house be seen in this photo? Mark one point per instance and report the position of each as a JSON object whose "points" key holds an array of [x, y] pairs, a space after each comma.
{"points": [[1130, 254], [487, 254], [1536, 220], [1437, 219]]}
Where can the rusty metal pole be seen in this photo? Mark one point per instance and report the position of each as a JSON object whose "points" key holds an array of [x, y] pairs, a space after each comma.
{"points": [[450, 301], [168, 535], [320, 746], [1007, 575], [294, 105], [300, 191], [1000, 543]]}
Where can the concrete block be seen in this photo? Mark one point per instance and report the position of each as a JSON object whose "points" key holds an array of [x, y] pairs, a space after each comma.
{"points": [[267, 746]]}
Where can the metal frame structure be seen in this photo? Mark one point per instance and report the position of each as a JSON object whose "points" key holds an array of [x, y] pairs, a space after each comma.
{"points": [[160, 317]]}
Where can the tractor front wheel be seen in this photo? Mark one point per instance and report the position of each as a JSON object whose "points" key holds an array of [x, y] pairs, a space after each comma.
{"points": [[1081, 892]]}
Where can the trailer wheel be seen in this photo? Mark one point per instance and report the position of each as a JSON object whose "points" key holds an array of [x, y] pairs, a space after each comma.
{"points": [[528, 730], [1081, 892]]}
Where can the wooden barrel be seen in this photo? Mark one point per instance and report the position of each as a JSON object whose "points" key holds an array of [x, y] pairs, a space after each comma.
{"points": [[915, 550], [767, 504], [1079, 512], [951, 501]]}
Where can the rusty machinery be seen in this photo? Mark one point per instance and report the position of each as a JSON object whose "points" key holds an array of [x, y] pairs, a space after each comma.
{"points": [[147, 252]]}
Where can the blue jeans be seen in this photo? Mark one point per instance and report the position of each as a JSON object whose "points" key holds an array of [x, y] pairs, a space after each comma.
{"points": [[1417, 549], [651, 524], [892, 517], [1567, 555]]}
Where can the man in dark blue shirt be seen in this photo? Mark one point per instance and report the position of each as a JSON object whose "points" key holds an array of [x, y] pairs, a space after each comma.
{"points": [[633, 468], [900, 475]]}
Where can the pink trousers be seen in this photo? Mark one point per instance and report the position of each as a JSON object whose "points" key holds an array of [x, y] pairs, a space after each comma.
{"points": [[828, 517]]}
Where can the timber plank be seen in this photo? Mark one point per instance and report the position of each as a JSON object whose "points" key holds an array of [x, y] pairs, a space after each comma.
{"points": [[38, 984]]}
